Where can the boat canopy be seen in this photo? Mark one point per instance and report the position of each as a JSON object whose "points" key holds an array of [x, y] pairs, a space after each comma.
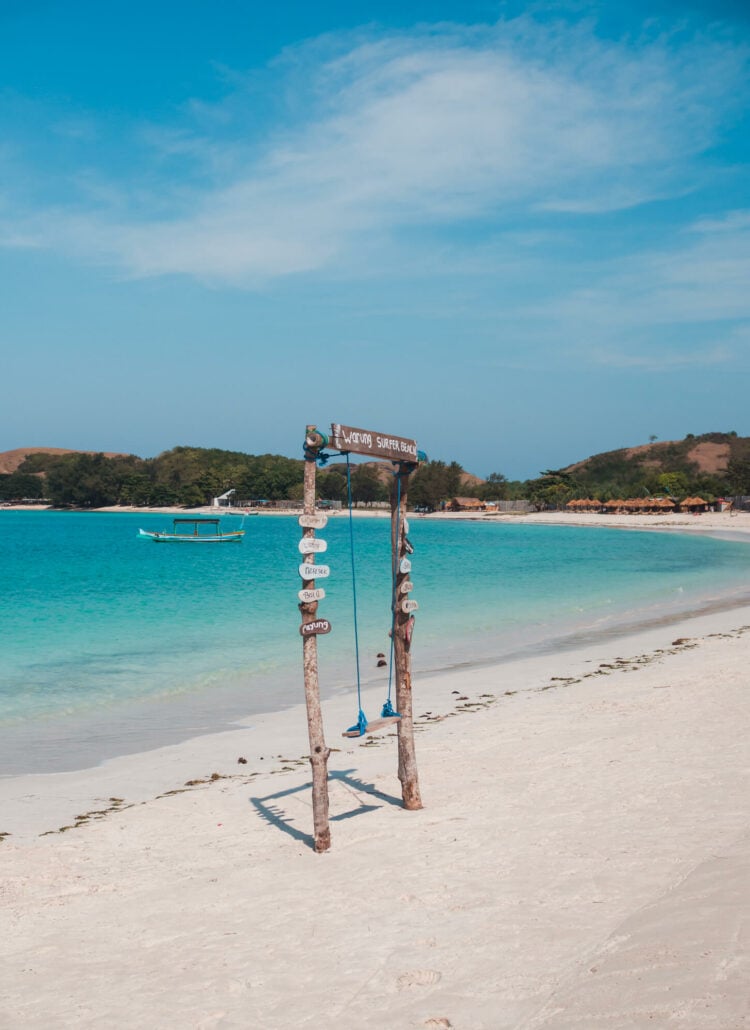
{"points": [[209, 522]]}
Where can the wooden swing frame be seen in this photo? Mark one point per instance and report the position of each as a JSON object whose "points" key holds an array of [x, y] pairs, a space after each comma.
{"points": [[403, 453]]}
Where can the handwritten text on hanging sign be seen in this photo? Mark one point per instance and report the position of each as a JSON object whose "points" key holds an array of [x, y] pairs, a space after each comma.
{"points": [[312, 545], [406, 587], [363, 441], [404, 565], [312, 629], [308, 596], [313, 521], [314, 571], [409, 606]]}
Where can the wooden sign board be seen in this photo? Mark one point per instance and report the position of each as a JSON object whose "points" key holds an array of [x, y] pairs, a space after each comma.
{"points": [[313, 629], [308, 596], [409, 606], [364, 441], [406, 587], [313, 521], [312, 545], [404, 565], [314, 571]]}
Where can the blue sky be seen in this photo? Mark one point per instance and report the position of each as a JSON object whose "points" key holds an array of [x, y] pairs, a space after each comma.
{"points": [[519, 233]]}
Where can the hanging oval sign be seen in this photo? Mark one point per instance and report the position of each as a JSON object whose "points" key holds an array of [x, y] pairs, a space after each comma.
{"points": [[308, 596], [409, 606], [408, 546], [314, 571], [312, 521], [312, 629], [312, 545], [406, 587], [404, 565]]}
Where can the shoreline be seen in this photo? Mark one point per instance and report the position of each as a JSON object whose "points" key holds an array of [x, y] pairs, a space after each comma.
{"points": [[581, 859], [149, 725], [735, 522], [138, 717], [154, 769]]}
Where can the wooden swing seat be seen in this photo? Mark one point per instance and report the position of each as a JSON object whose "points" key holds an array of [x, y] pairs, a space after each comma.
{"points": [[373, 727]]}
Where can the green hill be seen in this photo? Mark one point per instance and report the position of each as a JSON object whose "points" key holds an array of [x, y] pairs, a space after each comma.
{"points": [[712, 464]]}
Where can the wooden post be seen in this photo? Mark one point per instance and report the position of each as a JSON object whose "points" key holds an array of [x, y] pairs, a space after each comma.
{"points": [[402, 626], [318, 751]]}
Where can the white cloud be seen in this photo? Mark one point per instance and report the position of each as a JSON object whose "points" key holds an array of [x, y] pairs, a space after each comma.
{"points": [[701, 278], [732, 221], [427, 129], [660, 360]]}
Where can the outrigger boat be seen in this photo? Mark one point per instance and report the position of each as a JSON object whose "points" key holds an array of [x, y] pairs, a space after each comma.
{"points": [[188, 531]]}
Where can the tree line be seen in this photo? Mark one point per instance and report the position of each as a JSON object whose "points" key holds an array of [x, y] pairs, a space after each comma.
{"points": [[192, 476]]}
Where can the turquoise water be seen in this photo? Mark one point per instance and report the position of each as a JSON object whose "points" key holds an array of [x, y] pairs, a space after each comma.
{"points": [[108, 636]]}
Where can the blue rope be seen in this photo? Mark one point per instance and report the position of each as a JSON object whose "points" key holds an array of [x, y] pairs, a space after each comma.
{"points": [[361, 723], [388, 710]]}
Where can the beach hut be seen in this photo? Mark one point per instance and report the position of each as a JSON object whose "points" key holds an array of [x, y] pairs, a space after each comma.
{"points": [[665, 503], [694, 504], [467, 504]]}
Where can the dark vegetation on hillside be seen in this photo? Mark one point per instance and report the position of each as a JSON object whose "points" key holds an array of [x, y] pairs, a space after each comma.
{"points": [[187, 476], [711, 465]]}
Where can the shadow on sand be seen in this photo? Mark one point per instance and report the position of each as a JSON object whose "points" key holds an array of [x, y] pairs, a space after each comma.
{"points": [[276, 815]]}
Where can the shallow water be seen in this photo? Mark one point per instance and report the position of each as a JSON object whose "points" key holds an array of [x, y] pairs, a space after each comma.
{"points": [[113, 644]]}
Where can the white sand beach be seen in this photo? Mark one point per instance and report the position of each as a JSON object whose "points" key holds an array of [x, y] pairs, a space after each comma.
{"points": [[715, 523], [582, 859]]}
